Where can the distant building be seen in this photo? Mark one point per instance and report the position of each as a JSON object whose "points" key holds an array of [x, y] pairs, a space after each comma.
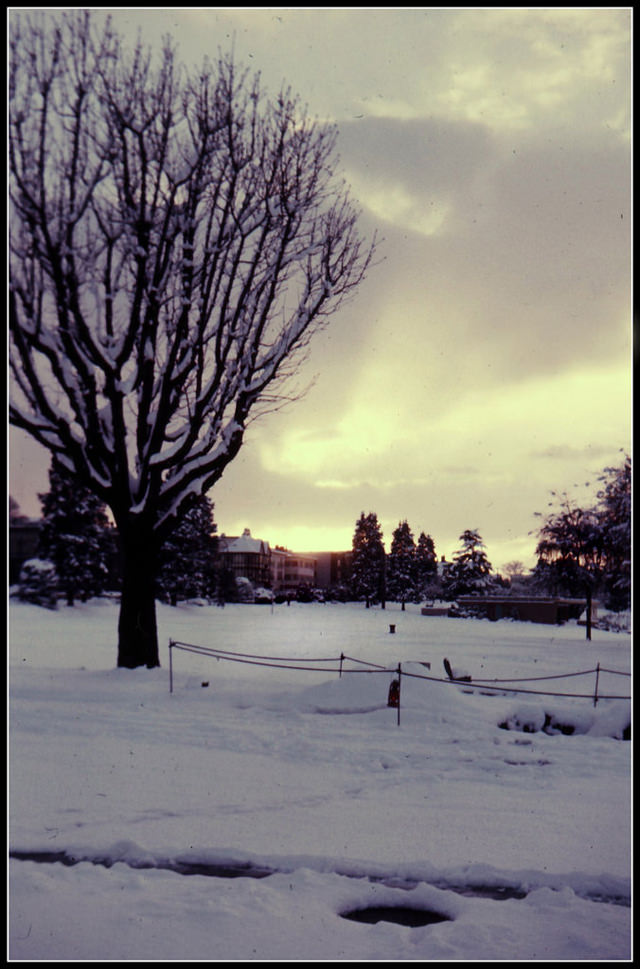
{"points": [[290, 570], [246, 557], [24, 539], [333, 569], [542, 609]]}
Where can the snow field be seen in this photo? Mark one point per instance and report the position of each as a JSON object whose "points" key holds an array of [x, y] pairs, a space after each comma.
{"points": [[308, 774]]}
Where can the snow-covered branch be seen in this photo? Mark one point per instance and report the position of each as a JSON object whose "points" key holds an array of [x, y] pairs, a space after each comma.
{"points": [[175, 242]]}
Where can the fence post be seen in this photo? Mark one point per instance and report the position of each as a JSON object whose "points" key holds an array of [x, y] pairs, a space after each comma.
{"points": [[595, 695], [399, 689], [170, 666], [341, 658]]}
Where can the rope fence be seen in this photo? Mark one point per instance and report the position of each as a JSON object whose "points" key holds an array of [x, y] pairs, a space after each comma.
{"points": [[293, 663]]}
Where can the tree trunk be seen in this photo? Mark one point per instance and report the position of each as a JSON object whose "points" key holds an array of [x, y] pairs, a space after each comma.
{"points": [[589, 604], [137, 627]]}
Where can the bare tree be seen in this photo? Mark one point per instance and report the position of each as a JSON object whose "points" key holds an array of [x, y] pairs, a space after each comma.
{"points": [[175, 241]]}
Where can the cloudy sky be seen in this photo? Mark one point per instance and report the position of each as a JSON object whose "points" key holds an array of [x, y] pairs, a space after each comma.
{"points": [[486, 359]]}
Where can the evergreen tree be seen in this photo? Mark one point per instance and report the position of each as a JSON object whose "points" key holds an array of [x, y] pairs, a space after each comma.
{"points": [[615, 521], [187, 559], [401, 565], [426, 569], [470, 571], [368, 560], [226, 586], [570, 553], [74, 535]]}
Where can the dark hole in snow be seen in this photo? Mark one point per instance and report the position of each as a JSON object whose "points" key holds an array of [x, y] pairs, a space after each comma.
{"points": [[400, 915]]}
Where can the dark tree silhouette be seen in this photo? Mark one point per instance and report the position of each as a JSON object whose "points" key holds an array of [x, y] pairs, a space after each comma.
{"points": [[75, 536], [175, 241], [469, 573], [426, 568], [368, 560], [570, 552], [188, 558], [401, 565], [614, 511]]}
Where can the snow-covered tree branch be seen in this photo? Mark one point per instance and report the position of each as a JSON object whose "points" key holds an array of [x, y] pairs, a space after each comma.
{"points": [[175, 241]]}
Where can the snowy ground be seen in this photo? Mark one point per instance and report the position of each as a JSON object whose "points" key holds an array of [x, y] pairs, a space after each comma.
{"points": [[520, 838]]}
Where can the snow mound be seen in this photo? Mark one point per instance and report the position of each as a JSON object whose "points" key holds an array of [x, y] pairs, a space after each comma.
{"points": [[351, 693], [364, 691]]}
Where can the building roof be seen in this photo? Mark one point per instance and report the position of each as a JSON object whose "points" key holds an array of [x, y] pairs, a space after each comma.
{"points": [[245, 543]]}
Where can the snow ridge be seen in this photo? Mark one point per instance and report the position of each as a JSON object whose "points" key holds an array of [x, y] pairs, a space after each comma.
{"points": [[478, 879]]}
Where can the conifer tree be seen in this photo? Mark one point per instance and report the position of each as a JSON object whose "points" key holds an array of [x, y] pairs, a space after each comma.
{"points": [[74, 535], [368, 560], [470, 571], [226, 585], [187, 559], [401, 566], [426, 568]]}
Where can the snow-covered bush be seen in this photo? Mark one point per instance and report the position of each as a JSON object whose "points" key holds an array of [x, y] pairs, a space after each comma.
{"points": [[615, 622], [609, 720], [38, 583], [244, 590]]}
